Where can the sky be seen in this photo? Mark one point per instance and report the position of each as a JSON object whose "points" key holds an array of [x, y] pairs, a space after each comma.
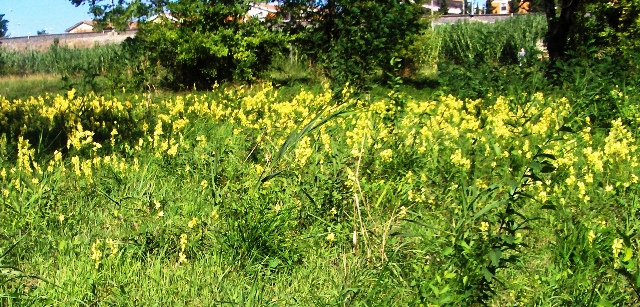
{"points": [[27, 17]]}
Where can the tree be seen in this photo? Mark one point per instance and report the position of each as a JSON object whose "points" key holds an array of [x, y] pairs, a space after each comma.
{"points": [[532, 6], [120, 13], [3, 25], [489, 7], [444, 7], [353, 39], [208, 41], [514, 6], [42, 32], [574, 24]]}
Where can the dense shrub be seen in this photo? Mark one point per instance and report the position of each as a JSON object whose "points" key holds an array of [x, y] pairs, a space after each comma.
{"points": [[209, 43], [352, 40]]}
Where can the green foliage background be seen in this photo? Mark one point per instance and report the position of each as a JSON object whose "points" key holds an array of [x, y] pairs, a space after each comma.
{"points": [[465, 176]]}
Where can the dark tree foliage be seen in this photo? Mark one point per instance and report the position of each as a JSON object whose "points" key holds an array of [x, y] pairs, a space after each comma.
{"points": [[118, 14], [3, 25], [489, 7], [190, 42], [443, 7], [351, 40], [204, 42], [514, 6], [574, 25]]}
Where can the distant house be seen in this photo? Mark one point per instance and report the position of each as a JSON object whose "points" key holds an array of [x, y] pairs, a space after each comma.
{"points": [[81, 27], [455, 6], [498, 6], [262, 11], [162, 18], [86, 26]]}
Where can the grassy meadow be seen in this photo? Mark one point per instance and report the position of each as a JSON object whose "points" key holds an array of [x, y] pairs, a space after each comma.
{"points": [[491, 194]]}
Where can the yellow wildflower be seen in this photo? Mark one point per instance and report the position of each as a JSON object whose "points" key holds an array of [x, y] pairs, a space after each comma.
{"points": [[331, 237], [193, 222]]}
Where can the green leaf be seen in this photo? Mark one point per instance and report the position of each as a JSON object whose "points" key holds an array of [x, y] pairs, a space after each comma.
{"points": [[487, 275], [488, 208], [270, 176], [547, 168], [513, 185], [273, 263], [604, 303], [405, 235], [534, 177], [497, 150], [494, 256], [447, 251], [544, 155], [628, 253], [565, 128], [535, 166]]}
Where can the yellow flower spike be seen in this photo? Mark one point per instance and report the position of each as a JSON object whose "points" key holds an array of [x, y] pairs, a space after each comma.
{"points": [[591, 237], [303, 151], [331, 237], [192, 223], [616, 247], [386, 155], [113, 246], [96, 254], [182, 258], [173, 151]]}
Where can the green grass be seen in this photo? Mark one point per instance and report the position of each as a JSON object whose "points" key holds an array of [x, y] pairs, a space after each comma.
{"points": [[14, 87], [253, 196], [460, 186]]}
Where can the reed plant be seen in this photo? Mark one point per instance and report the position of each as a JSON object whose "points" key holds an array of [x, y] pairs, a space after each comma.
{"points": [[472, 43]]}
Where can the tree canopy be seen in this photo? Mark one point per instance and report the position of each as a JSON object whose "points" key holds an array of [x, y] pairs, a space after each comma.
{"points": [[352, 39], [348, 39], [119, 13], [576, 24], [3, 25]]}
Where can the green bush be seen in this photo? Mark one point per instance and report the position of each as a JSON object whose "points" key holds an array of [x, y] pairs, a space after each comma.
{"points": [[209, 43], [353, 40]]}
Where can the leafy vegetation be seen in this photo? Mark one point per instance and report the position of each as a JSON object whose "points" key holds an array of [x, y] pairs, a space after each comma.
{"points": [[3, 25], [352, 40], [435, 201], [210, 43], [469, 176]]}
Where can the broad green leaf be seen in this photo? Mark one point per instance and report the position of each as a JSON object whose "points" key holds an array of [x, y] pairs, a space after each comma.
{"points": [[488, 276], [628, 253], [494, 256], [488, 208]]}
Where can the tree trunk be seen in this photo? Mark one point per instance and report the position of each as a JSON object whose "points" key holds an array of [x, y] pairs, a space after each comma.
{"points": [[559, 27]]}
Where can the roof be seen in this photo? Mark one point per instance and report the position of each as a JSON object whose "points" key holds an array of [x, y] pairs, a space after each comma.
{"points": [[86, 22], [266, 7], [162, 16], [130, 25]]}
